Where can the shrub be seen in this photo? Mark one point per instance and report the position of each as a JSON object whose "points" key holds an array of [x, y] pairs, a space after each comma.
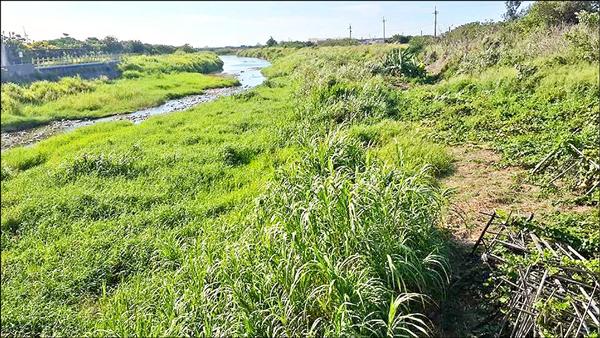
{"points": [[585, 36], [400, 63], [552, 13], [131, 74]]}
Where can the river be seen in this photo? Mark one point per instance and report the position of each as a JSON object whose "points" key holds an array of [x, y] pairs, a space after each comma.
{"points": [[246, 70]]}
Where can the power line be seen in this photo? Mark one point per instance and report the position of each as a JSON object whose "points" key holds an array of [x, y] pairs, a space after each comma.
{"points": [[350, 28]]}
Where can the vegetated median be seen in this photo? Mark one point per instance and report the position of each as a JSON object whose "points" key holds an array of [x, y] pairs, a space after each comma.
{"points": [[146, 81], [310, 205]]}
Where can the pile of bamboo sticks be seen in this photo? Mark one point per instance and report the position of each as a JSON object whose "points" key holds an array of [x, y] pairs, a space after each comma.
{"points": [[541, 282]]}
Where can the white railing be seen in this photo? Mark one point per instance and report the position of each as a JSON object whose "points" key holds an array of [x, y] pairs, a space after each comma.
{"points": [[40, 62]]}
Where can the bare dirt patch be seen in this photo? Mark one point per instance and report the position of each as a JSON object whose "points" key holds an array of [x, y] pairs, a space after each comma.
{"points": [[481, 184]]}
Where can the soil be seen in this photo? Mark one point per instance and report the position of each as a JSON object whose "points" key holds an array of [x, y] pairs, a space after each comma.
{"points": [[481, 184]]}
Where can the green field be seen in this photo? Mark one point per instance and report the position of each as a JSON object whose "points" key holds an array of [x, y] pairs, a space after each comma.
{"points": [[311, 205], [147, 81]]}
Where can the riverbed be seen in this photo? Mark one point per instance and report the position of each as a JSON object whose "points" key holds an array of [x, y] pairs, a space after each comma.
{"points": [[246, 70]]}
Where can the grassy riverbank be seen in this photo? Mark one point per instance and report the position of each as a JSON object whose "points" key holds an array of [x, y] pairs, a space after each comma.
{"points": [[311, 205], [147, 81], [172, 201]]}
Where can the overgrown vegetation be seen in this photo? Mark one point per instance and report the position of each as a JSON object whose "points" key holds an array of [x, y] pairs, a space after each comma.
{"points": [[359, 205], [308, 206], [176, 62], [146, 81]]}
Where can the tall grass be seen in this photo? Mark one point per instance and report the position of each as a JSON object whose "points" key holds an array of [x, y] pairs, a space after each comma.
{"points": [[245, 216]]}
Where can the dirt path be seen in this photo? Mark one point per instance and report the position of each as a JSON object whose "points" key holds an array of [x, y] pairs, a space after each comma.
{"points": [[481, 185]]}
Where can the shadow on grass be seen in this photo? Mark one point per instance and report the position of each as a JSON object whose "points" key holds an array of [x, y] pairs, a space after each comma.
{"points": [[466, 312]]}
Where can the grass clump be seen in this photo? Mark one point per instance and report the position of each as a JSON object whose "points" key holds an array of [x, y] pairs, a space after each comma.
{"points": [[169, 63], [349, 244]]}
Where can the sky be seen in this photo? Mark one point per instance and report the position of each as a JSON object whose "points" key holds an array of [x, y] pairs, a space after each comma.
{"points": [[217, 24]]}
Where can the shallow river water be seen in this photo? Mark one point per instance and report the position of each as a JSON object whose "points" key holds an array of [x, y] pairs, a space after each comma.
{"points": [[246, 70]]}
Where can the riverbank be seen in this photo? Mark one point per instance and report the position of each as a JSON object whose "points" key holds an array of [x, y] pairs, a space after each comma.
{"points": [[314, 205], [145, 82], [243, 72]]}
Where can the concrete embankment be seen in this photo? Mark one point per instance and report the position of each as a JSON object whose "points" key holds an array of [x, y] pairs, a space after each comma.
{"points": [[25, 73]]}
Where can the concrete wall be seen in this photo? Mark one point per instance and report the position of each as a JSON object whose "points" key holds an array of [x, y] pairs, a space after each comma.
{"points": [[14, 73]]}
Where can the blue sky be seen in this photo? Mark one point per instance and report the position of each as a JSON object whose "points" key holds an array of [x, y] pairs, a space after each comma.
{"points": [[234, 23]]}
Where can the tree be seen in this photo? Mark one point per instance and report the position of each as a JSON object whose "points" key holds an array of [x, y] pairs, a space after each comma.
{"points": [[186, 48], [271, 42], [112, 45], [13, 39], [136, 47], [397, 38], [512, 8], [559, 12]]}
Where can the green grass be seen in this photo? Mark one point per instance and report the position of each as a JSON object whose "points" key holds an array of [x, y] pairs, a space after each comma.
{"points": [[202, 62], [116, 97], [236, 217], [146, 81], [309, 206]]}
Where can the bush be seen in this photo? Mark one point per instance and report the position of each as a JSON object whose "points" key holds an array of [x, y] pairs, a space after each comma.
{"points": [[400, 63], [131, 74], [552, 13], [585, 36]]}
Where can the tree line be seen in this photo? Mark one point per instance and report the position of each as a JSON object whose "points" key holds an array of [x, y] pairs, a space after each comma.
{"points": [[109, 45]]}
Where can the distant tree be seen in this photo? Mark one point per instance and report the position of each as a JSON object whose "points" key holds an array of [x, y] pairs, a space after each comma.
{"points": [[93, 44], [271, 42], [135, 46], [13, 39], [512, 10], [112, 45], [186, 48], [397, 38], [66, 42], [41, 45]]}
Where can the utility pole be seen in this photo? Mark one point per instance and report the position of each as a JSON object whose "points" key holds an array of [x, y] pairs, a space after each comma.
{"points": [[25, 35], [350, 28], [435, 13], [384, 29]]}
